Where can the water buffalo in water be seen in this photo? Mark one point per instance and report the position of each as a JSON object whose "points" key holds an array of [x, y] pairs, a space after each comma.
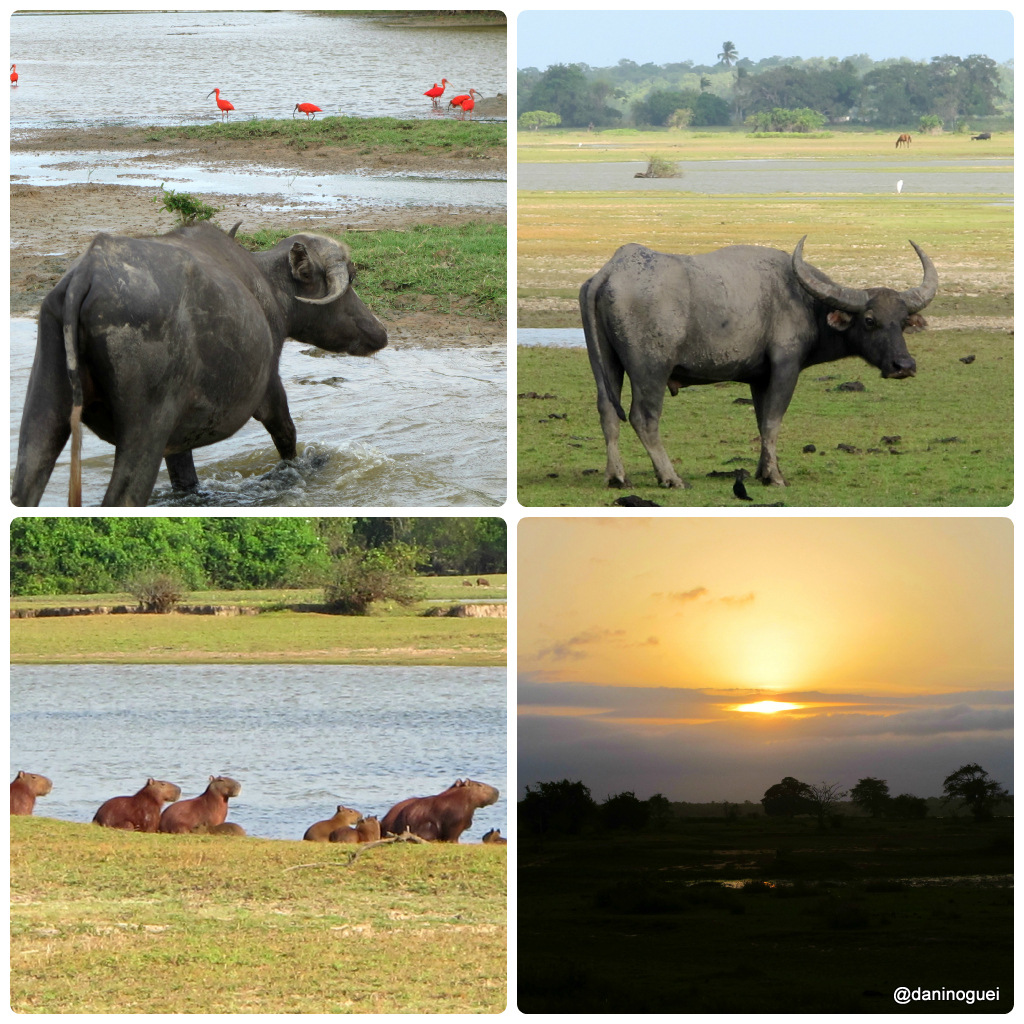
{"points": [[141, 812], [209, 808], [24, 790], [745, 313], [162, 345], [442, 818]]}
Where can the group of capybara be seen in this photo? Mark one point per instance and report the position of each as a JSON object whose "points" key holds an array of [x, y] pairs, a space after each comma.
{"points": [[441, 818]]}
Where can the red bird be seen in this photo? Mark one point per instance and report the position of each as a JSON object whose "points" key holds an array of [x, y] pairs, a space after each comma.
{"points": [[14, 74], [469, 103], [224, 105], [456, 101], [435, 92], [307, 109]]}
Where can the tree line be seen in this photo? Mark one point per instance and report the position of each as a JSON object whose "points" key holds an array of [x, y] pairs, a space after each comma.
{"points": [[566, 807], [886, 93], [63, 555]]}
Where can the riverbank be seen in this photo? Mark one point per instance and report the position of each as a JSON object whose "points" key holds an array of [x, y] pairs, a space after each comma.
{"points": [[265, 926]]}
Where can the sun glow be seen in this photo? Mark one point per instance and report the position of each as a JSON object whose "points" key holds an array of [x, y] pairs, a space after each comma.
{"points": [[767, 707]]}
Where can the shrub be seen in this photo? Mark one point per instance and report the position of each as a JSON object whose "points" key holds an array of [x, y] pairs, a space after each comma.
{"points": [[156, 591], [359, 578], [186, 207]]}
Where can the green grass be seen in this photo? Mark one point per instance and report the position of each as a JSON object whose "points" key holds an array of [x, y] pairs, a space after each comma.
{"points": [[955, 421], [458, 270], [110, 922], [617, 925]]}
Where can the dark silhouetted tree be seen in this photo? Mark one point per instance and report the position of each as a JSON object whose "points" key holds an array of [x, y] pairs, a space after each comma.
{"points": [[872, 794], [971, 785], [786, 798], [625, 812], [564, 807], [907, 806], [824, 798], [661, 810]]}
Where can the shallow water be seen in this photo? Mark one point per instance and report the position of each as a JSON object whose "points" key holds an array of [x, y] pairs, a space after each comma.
{"points": [[552, 337], [300, 738], [148, 67], [407, 427]]}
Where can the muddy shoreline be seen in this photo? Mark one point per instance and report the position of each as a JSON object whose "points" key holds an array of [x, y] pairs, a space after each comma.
{"points": [[52, 225]]}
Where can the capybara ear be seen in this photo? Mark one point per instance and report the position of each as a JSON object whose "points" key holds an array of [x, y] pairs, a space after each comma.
{"points": [[211, 778], [149, 782], [21, 775]]}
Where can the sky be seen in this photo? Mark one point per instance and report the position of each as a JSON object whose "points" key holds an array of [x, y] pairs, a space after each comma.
{"points": [[601, 38], [639, 639]]}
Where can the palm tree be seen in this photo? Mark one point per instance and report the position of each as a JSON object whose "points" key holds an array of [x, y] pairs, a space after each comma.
{"points": [[728, 54]]}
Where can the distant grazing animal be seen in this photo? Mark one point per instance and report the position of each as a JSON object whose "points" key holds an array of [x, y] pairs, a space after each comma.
{"points": [[209, 808], [141, 812], [228, 828], [434, 92], [483, 582], [367, 830], [442, 818], [903, 140], [309, 109], [320, 831], [745, 313], [983, 135], [494, 836], [162, 345], [223, 105], [24, 790]]}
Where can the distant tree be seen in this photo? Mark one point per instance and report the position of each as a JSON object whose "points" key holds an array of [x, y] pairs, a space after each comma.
{"points": [[359, 578], [562, 807], [971, 785], [625, 812], [907, 806], [786, 798], [679, 119], [729, 54], [824, 798], [534, 119], [871, 794], [660, 810]]}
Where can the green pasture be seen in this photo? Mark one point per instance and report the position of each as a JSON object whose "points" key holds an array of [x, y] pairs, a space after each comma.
{"points": [[104, 921]]}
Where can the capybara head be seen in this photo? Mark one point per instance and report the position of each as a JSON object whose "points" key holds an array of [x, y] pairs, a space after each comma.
{"points": [[368, 830], [38, 785], [345, 816], [478, 793], [163, 792], [224, 786], [494, 836]]}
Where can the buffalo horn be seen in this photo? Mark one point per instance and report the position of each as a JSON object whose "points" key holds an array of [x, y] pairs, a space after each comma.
{"points": [[919, 297], [850, 300], [337, 282]]}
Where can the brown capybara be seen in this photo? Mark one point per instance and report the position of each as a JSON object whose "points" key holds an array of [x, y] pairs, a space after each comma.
{"points": [[494, 836], [367, 830], [24, 790], [141, 812], [442, 818], [320, 831], [209, 808], [229, 828]]}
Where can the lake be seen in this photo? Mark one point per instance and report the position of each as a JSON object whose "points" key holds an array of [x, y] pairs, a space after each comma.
{"points": [[369, 433], [301, 739]]}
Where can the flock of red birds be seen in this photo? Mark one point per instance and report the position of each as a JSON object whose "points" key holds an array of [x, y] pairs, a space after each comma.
{"points": [[465, 102]]}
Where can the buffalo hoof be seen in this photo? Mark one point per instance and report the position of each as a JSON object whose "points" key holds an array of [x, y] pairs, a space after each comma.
{"points": [[674, 481]]}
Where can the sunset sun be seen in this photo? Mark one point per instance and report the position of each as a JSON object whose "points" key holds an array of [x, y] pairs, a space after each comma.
{"points": [[767, 707]]}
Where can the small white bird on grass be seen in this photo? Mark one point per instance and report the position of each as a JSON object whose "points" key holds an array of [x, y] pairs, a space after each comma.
{"points": [[899, 186]]}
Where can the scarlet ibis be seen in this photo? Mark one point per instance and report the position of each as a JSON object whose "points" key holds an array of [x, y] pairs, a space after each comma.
{"points": [[14, 74], [456, 101], [224, 105], [469, 103], [435, 92], [307, 109]]}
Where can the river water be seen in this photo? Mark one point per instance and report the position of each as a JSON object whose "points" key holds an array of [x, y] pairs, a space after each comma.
{"points": [[368, 434], [301, 739], [156, 67]]}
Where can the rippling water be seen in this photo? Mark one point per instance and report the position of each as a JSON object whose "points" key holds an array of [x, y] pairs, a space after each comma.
{"points": [[300, 738], [157, 67], [407, 427]]}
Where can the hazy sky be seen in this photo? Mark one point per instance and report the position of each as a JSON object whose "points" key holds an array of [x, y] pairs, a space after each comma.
{"points": [[638, 638], [604, 37]]}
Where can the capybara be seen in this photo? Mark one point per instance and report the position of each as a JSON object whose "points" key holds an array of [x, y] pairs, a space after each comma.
{"points": [[209, 808], [24, 790], [494, 836], [320, 831], [140, 812], [442, 818], [367, 830], [229, 828]]}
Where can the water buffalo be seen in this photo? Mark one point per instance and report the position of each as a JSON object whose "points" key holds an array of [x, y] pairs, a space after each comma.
{"points": [[140, 812], [745, 313], [320, 831], [903, 140], [444, 817], [982, 136], [24, 790], [209, 808], [162, 345]]}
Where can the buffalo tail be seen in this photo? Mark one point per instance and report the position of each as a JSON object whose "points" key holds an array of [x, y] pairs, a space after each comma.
{"points": [[72, 305], [596, 342]]}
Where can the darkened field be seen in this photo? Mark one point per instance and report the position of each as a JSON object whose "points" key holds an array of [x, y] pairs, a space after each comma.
{"points": [[829, 921]]}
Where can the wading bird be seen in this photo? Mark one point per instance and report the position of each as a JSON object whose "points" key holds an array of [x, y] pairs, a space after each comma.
{"points": [[224, 105], [469, 103], [435, 91], [14, 74], [456, 101], [308, 109]]}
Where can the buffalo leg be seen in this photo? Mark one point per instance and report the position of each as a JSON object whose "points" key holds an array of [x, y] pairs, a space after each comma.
{"points": [[137, 457], [273, 414], [644, 414], [615, 471], [181, 468], [771, 400]]}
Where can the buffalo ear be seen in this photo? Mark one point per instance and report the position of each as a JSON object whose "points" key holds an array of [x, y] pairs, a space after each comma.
{"points": [[914, 322], [839, 320], [300, 262]]}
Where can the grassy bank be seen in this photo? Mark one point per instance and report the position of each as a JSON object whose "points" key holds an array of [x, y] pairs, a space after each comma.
{"points": [[623, 925], [390, 636], [954, 421], [111, 922], [457, 270]]}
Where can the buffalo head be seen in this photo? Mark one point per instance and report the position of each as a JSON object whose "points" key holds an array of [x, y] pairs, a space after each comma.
{"points": [[874, 318]]}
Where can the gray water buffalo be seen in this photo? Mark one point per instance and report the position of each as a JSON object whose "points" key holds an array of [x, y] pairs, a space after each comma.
{"points": [[745, 313], [162, 345]]}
